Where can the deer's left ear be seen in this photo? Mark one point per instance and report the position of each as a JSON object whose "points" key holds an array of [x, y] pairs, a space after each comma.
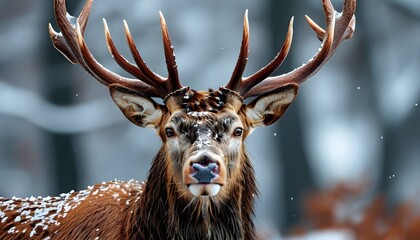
{"points": [[269, 107], [139, 109]]}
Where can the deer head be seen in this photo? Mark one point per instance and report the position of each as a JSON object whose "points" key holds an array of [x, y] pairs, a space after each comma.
{"points": [[203, 132]]}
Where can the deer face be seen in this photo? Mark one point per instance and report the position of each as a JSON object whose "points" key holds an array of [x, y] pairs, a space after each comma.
{"points": [[203, 149], [204, 132]]}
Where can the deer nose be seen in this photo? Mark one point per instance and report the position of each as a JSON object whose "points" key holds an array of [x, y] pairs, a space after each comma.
{"points": [[204, 173]]}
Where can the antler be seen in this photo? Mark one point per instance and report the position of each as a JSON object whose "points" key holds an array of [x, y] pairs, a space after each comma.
{"points": [[340, 26], [70, 42]]}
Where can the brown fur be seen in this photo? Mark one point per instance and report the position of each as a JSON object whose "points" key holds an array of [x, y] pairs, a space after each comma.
{"points": [[194, 219], [121, 210], [164, 210], [164, 207], [100, 211]]}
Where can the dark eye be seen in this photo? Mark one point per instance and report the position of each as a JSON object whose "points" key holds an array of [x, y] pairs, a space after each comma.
{"points": [[238, 131], [169, 132]]}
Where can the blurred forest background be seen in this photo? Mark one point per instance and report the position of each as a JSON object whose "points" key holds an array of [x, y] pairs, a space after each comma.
{"points": [[357, 121]]}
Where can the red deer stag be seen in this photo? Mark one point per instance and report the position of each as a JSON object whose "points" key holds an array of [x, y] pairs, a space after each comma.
{"points": [[201, 184]]}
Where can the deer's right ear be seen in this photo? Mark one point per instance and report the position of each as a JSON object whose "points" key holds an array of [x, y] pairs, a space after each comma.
{"points": [[269, 107], [139, 109]]}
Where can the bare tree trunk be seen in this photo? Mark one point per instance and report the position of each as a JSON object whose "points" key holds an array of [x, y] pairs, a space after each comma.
{"points": [[58, 91], [297, 175]]}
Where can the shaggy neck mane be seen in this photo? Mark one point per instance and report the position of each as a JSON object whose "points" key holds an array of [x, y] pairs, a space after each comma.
{"points": [[163, 214]]}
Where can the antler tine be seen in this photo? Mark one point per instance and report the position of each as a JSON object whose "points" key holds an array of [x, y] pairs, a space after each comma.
{"points": [[264, 72], [104, 75], [123, 62], [320, 32], [171, 83], [154, 77], [236, 78], [151, 78], [59, 40], [70, 42], [173, 79], [339, 28], [84, 15], [243, 85]]}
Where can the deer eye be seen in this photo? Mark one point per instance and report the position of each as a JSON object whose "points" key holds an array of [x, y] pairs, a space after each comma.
{"points": [[170, 132], [238, 131]]}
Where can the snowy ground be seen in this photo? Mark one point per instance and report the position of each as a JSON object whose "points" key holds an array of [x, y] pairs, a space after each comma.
{"points": [[324, 235]]}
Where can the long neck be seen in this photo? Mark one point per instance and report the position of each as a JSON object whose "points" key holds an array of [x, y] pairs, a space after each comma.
{"points": [[163, 214]]}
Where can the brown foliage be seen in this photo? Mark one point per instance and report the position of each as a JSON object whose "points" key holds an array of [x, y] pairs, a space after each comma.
{"points": [[343, 207]]}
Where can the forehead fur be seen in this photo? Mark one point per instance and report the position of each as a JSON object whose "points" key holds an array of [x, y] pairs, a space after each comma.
{"points": [[213, 101]]}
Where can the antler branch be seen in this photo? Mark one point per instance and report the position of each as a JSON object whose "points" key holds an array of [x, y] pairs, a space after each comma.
{"points": [[340, 26], [71, 43], [243, 85], [235, 80]]}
